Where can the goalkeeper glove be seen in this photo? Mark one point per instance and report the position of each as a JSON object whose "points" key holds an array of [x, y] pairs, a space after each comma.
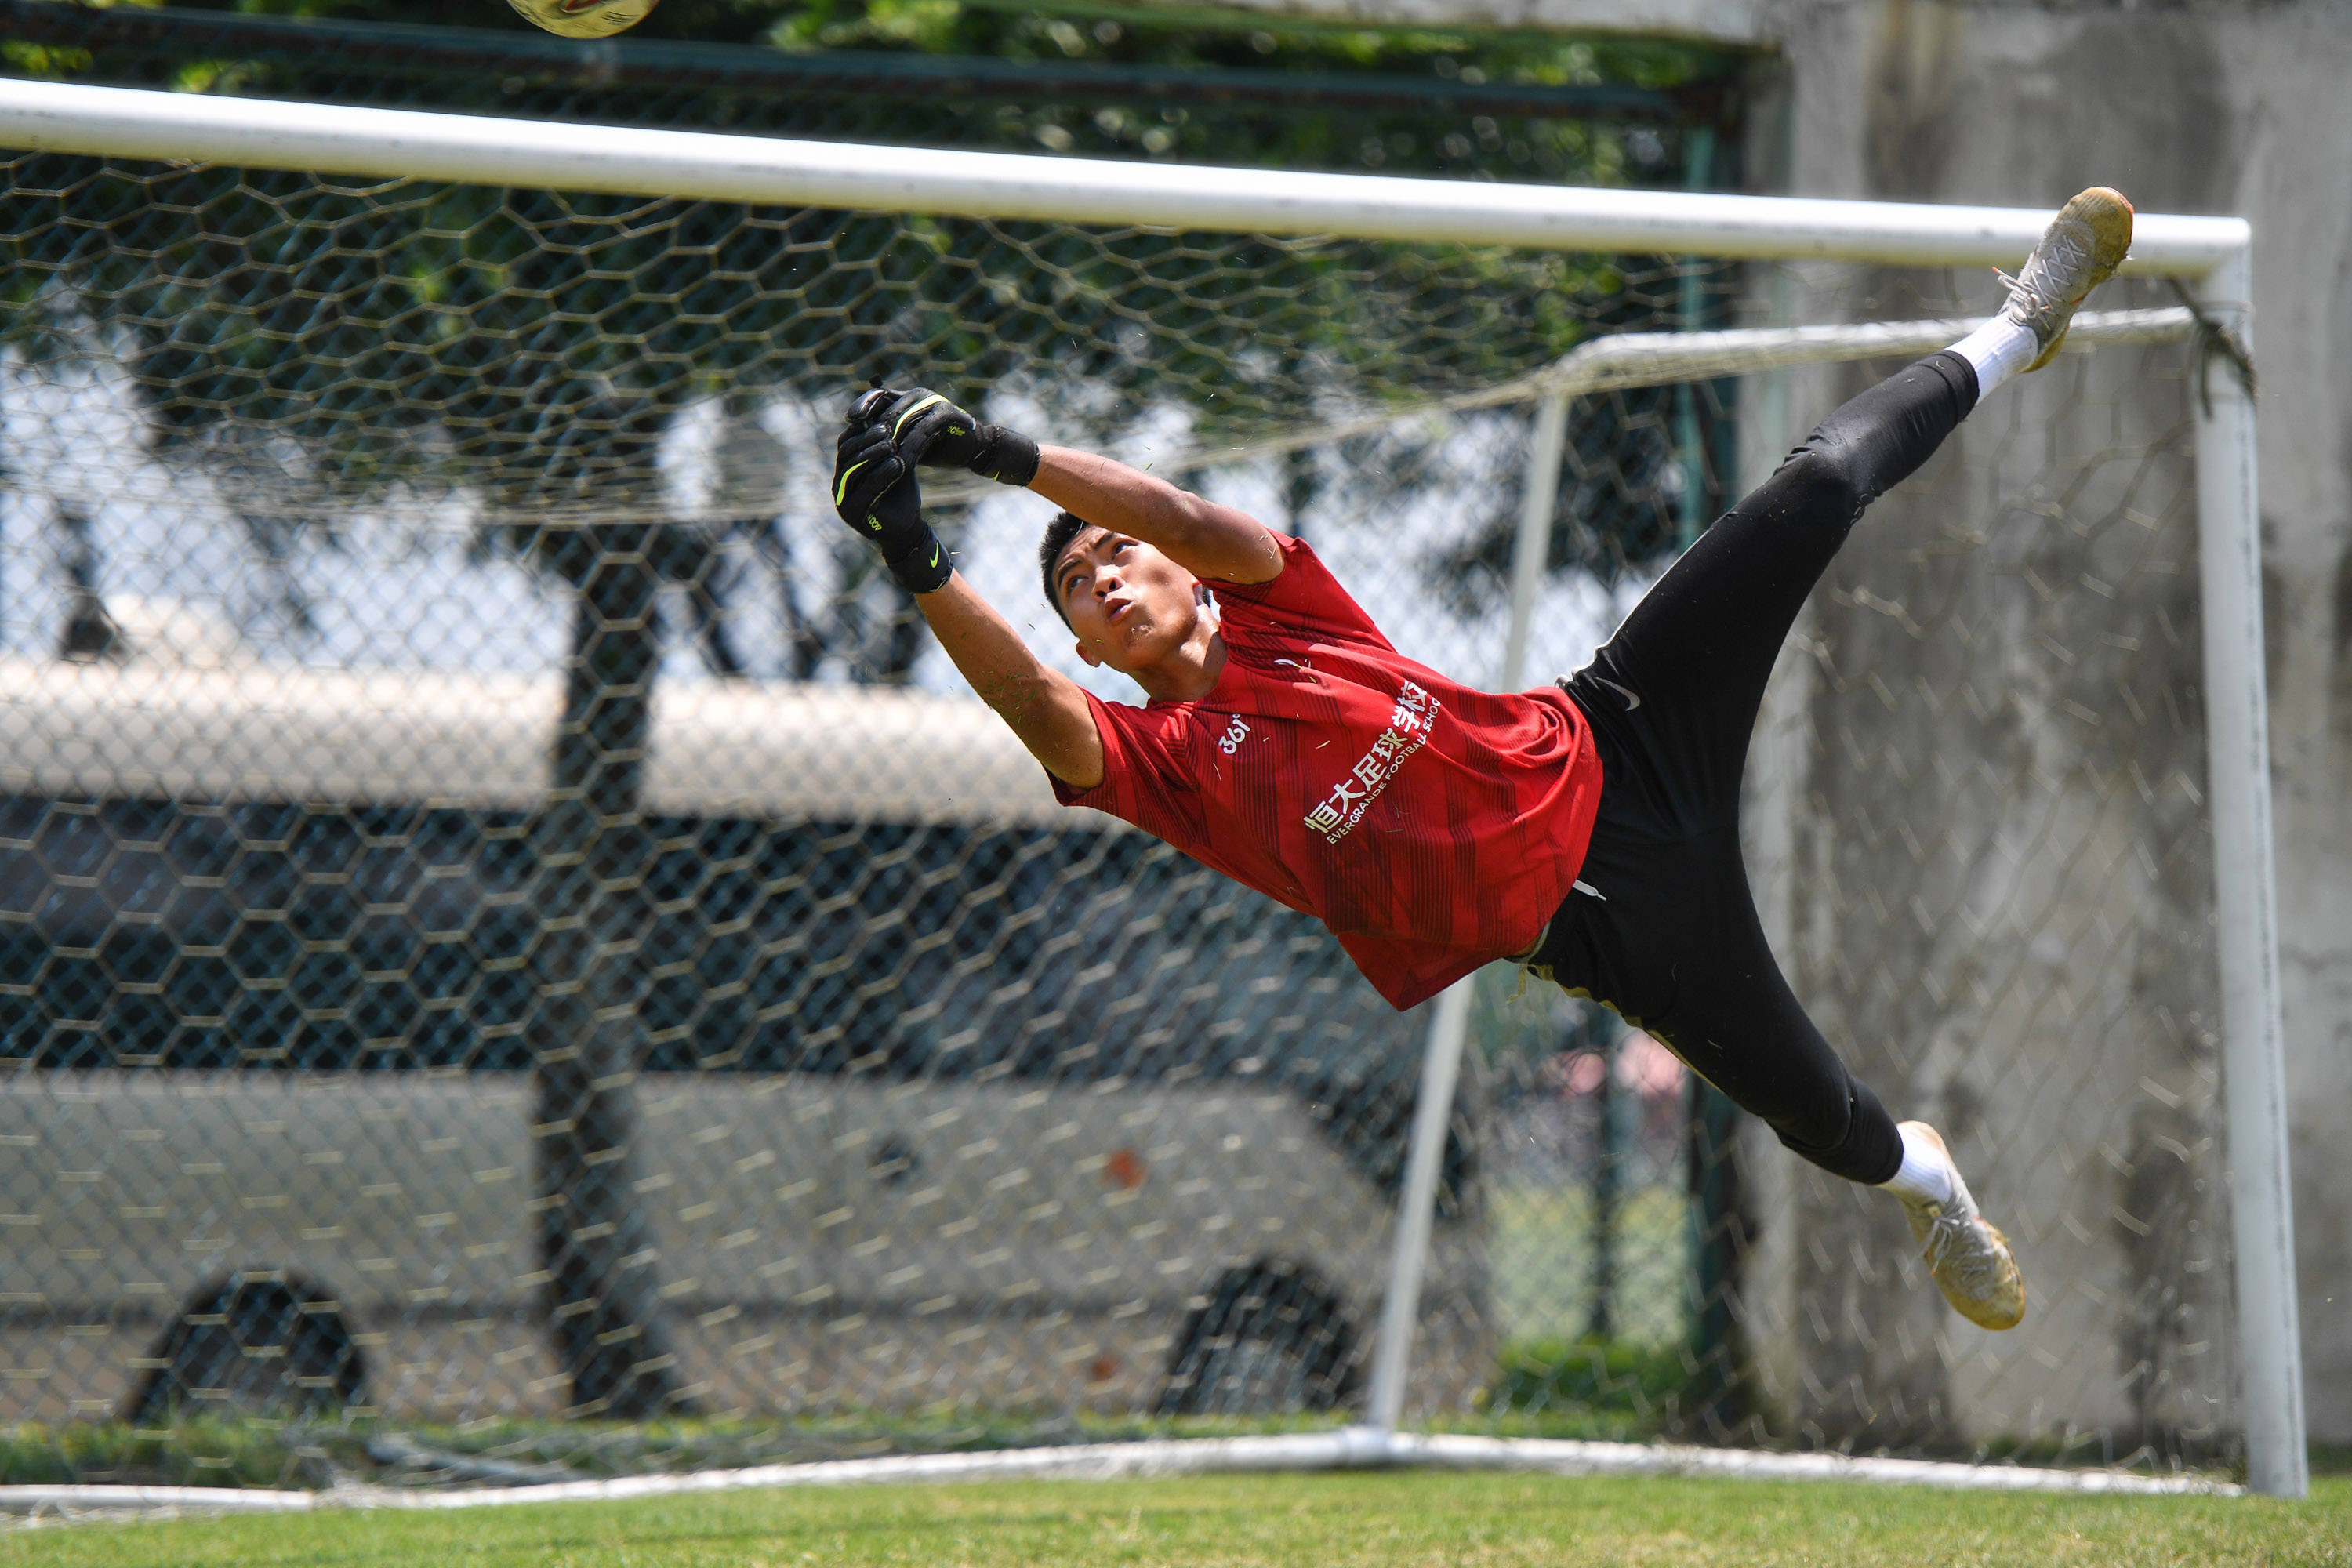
{"points": [[875, 491], [929, 429]]}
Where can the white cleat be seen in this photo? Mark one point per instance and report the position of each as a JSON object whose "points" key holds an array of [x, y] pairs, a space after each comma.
{"points": [[2080, 250], [1970, 1261]]}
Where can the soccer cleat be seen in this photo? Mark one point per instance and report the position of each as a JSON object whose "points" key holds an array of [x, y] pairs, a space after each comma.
{"points": [[2080, 250], [1969, 1259]]}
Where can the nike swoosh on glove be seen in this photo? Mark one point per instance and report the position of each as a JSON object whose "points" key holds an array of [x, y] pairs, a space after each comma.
{"points": [[875, 492], [929, 429]]}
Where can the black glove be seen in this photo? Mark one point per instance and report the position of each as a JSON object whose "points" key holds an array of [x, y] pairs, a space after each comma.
{"points": [[929, 429], [875, 491]]}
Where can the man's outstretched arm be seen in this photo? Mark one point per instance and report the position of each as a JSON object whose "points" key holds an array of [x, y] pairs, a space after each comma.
{"points": [[875, 490], [1044, 707], [1205, 537]]}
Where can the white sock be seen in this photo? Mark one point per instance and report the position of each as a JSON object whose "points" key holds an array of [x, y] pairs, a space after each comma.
{"points": [[1998, 350], [1926, 1174]]}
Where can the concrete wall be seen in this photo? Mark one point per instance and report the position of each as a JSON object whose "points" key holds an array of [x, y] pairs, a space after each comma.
{"points": [[1987, 755], [2233, 111], [2189, 111], [1929, 658]]}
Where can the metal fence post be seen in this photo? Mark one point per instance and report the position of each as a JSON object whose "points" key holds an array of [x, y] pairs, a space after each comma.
{"points": [[1449, 1022]]}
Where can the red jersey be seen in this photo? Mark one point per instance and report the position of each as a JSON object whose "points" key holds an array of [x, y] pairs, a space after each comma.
{"points": [[1432, 826]]}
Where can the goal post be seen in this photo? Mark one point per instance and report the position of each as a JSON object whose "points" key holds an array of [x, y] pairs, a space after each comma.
{"points": [[1631, 360], [2245, 889], [2210, 258]]}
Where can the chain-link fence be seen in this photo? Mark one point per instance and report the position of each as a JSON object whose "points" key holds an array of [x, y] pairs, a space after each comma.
{"points": [[509, 920], [518, 957], [1976, 826], [282, 990]]}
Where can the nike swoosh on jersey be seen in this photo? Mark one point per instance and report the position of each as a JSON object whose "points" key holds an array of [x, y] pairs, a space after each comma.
{"points": [[1631, 701]]}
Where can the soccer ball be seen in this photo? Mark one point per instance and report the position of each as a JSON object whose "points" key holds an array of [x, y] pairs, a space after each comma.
{"points": [[583, 18]]}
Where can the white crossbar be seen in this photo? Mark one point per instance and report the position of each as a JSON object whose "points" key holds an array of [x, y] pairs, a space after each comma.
{"points": [[394, 143]]}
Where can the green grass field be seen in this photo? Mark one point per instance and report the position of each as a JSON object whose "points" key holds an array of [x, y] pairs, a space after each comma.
{"points": [[1368, 1519]]}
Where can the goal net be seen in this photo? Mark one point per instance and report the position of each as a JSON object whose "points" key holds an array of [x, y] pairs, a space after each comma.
{"points": [[518, 958]]}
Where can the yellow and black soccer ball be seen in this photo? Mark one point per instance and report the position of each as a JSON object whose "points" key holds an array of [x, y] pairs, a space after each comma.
{"points": [[583, 18]]}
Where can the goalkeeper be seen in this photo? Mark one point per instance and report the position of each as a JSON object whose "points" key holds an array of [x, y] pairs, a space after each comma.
{"points": [[1589, 831]]}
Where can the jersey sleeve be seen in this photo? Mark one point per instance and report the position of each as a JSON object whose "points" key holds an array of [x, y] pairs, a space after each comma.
{"points": [[1146, 777], [1303, 598]]}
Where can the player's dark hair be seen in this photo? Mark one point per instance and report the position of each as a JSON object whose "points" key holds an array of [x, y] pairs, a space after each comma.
{"points": [[1058, 534]]}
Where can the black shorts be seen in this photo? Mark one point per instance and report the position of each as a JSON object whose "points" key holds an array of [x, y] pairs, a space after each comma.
{"points": [[1662, 926]]}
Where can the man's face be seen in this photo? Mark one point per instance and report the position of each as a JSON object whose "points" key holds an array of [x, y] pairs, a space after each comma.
{"points": [[1130, 604]]}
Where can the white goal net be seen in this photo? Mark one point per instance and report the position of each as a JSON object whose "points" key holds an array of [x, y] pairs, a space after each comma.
{"points": [[518, 958]]}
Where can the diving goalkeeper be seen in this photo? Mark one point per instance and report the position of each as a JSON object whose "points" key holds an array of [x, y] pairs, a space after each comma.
{"points": [[1589, 831]]}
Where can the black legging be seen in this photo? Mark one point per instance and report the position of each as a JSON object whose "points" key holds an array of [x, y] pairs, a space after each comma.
{"points": [[1663, 927]]}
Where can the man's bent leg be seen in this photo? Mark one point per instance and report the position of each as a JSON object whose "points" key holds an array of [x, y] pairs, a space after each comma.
{"points": [[1704, 638], [1701, 643], [1663, 928], [1662, 925], [1672, 701], [1672, 943]]}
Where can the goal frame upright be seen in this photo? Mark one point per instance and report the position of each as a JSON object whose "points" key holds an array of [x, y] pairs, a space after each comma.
{"points": [[2211, 257]]}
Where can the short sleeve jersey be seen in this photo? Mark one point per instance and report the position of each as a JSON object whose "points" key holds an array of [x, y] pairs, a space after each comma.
{"points": [[1431, 826]]}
